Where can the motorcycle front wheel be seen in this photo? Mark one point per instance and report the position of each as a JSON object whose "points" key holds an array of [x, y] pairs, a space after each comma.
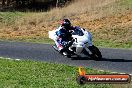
{"points": [[96, 54]]}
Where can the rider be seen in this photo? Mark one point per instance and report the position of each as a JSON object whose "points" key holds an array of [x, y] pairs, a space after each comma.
{"points": [[63, 33]]}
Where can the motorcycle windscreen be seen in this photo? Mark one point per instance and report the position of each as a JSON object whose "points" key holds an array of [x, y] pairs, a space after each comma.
{"points": [[52, 35]]}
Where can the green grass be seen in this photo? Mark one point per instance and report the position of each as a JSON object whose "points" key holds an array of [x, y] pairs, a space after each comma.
{"points": [[126, 3], [9, 18], [129, 2], [112, 44], [34, 74], [98, 43]]}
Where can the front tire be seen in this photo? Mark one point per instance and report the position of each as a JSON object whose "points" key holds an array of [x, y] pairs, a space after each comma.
{"points": [[96, 54], [68, 56]]}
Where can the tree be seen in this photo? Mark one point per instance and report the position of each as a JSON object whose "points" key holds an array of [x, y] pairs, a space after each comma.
{"points": [[3, 2], [8, 2], [57, 3]]}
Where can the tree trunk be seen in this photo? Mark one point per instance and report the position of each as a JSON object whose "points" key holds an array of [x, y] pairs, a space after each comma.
{"points": [[8, 2], [57, 3], [3, 2]]}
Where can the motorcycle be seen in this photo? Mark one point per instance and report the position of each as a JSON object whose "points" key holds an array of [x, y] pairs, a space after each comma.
{"points": [[81, 43]]}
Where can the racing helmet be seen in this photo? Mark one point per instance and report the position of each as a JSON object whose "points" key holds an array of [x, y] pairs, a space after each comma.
{"points": [[66, 24]]}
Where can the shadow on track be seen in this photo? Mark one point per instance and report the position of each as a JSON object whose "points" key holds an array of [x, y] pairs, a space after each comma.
{"points": [[116, 60], [103, 59]]}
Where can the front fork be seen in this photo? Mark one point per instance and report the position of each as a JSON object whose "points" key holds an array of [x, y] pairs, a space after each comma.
{"points": [[88, 48]]}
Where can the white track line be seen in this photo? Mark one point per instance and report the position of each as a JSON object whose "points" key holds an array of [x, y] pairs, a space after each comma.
{"points": [[17, 59], [114, 72], [10, 59]]}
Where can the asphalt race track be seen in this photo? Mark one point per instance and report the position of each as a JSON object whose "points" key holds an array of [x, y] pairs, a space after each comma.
{"points": [[115, 60]]}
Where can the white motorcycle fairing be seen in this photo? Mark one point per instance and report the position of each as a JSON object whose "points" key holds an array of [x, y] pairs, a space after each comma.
{"points": [[83, 39], [81, 44]]}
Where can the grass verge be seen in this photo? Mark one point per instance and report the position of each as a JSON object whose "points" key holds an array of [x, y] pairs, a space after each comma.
{"points": [[112, 44], [34, 74], [8, 18], [99, 43], [110, 22]]}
